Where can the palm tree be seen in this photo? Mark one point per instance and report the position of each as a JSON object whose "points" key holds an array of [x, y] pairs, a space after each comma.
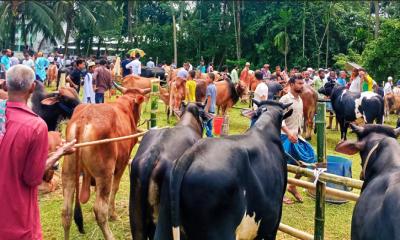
{"points": [[281, 40], [30, 16], [69, 10]]}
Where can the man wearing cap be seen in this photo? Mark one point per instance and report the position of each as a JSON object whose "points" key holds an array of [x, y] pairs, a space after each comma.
{"points": [[135, 66], [41, 64], [88, 85], [178, 88], [244, 75], [150, 63], [388, 86]]}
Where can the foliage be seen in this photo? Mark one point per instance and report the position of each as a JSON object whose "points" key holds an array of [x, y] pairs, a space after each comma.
{"points": [[341, 59], [381, 56]]}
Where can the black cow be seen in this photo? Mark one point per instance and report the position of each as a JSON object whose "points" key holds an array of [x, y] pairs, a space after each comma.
{"points": [[54, 107], [158, 149], [350, 106], [376, 214], [153, 72], [229, 186]]}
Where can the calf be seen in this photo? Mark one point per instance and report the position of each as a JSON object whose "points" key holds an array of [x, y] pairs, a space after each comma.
{"points": [[104, 163], [350, 106], [158, 149], [392, 103], [229, 186], [376, 214], [309, 97]]}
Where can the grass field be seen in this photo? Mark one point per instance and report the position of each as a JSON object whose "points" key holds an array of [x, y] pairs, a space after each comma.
{"points": [[301, 216]]}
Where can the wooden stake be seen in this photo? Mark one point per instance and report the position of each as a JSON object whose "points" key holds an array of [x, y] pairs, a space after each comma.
{"points": [[295, 232]]}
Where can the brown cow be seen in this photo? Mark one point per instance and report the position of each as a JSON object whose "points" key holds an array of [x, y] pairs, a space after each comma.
{"points": [[52, 72], [392, 103], [104, 163], [310, 98], [132, 81]]}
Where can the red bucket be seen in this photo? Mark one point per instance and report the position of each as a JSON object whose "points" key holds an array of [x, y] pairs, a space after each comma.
{"points": [[218, 121]]}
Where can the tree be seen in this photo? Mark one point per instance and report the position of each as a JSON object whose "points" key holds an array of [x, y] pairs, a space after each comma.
{"points": [[281, 40]]}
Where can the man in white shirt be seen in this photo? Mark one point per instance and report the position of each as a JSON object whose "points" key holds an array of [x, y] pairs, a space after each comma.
{"points": [[388, 86], [355, 86], [234, 75], [295, 146], [261, 92], [150, 63], [28, 61], [135, 66]]}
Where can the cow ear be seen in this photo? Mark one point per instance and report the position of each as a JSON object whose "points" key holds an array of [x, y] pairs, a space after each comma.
{"points": [[139, 99], [288, 113], [349, 148], [50, 101], [256, 102], [286, 105], [358, 130]]}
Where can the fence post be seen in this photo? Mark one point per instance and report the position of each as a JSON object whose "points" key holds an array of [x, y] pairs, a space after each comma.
{"points": [[154, 95], [320, 188]]}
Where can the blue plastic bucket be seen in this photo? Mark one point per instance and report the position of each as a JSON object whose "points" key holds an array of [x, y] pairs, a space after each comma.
{"points": [[339, 166]]}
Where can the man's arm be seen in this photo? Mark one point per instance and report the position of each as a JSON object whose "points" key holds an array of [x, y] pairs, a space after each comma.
{"points": [[65, 148], [68, 79]]}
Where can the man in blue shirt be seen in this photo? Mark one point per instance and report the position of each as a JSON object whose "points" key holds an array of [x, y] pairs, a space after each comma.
{"points": [[211, 97], [342, 78], [125, 71], [201, 67], [41, 64], [5, 63]]}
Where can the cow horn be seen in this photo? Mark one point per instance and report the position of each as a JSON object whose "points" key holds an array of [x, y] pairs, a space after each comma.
{"points": [[397, 132], [358, 130], [120, 88]]}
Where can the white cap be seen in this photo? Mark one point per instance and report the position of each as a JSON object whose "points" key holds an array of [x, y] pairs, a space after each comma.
{"points": [[390, 79], [182, 74], [247, 64], [310, 69]]}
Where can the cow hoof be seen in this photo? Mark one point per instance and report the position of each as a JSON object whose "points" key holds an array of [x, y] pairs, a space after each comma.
{"points": [[114, 217]]}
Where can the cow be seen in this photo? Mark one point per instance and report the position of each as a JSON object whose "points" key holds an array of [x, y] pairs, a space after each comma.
{"points": [[229, 186], [392, 103], [132, 81], [51, 107], [310, 98], [103, 163], [349, 106], [156, 72], [376, 213], [158, 149]]}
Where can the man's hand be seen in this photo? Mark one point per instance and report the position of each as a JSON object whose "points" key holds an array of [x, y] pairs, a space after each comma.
{"points": [[66, 148], [293, 138]]}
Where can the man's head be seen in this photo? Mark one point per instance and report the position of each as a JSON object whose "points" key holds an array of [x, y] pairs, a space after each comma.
{"points": [[258, 75], [296, 83], [91, 66], [26, 56], [137, 55], [20, 82], [8, 52], [40, 54], [321, 73], [332, 74], [266, 66], [202, 62], [247, 64], [150, 59], [390, 79], [306, 74], [80, 64], [210, 77], [186, 66], [224, 68], [127, 56], [192, 74], [278, 69], [361, 72], [343, 74], [102, 62]]}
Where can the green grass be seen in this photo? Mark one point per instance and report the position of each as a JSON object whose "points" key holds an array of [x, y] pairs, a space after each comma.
{"points": [[300, 216]]}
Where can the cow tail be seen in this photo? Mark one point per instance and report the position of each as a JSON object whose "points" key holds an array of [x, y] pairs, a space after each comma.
{"points": [[78, 217], [178, 171]]}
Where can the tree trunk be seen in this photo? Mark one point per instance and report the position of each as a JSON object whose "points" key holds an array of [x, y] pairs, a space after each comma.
{"points": [[327, 46], [238, 43], [129, 19], [67, 32], [174, 35], [13, 29], [41, 44], [377, 20], [78, 46], [304, 28], [98, 47], [286, 47]]}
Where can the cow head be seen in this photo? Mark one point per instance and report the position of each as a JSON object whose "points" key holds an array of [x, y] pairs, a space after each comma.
{"points": [[66, 100], [368, 139], [241, 89], [327, 89], [131, 91], [264, 106], [197, 111]]}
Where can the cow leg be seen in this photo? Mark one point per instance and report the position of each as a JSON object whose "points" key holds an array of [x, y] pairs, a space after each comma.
{"points": [[101, 205], [330, 120], [68, 186], [115, 186]]}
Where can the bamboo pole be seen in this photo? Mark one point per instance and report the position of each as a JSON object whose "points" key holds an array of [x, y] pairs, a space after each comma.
{"points": [[155, 84], [330, 191], [295, 232], [85, 144], [328, 177], [319, 218]]}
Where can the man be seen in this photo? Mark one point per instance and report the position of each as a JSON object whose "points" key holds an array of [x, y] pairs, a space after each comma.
{"points": [[311, 72], [307, 79], [234, 75], [266, 72], [210, 68], [225, 73], [191, 87], [293, 145], [211, 96], [135, 66], [150, 63], [261, 92], [41, 64], [317, 82], [88, 85], [102, 80], [178, 88], [76, 76], [244, 75], [5, 63], [388, 86], [28, 61], [280, 76], [341, 80], [126, 61], [202, 67], [13, 59], [23, 151], [356, 84]]}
